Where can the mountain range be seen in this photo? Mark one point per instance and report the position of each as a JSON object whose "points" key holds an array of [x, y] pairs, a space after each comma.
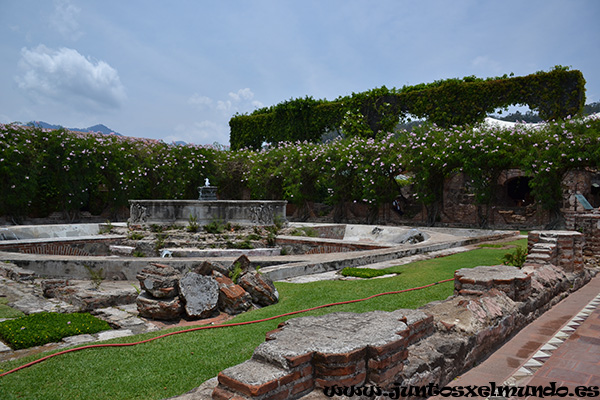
{"points": [[99, 128]]}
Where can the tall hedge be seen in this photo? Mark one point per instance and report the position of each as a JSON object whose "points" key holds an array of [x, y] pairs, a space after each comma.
{"points": [[554, 95]]}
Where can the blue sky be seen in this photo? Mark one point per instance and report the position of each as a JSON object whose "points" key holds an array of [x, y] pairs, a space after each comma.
{"points": [[179, 69]]}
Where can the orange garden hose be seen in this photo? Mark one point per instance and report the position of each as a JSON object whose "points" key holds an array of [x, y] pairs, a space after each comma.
{"points": [[217, 326]]}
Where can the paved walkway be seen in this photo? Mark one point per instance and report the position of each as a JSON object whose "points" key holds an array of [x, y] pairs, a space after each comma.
{"points": [[562, 346]]}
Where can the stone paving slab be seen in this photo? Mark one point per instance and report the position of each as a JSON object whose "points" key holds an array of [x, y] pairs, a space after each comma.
{"points": [[552, 345]]}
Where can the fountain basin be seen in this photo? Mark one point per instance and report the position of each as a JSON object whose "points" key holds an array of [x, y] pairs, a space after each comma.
{"points": [[180, 212]]}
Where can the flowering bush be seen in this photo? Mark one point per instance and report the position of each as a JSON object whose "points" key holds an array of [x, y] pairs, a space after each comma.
{"points": [[45, 171], [42, 172]]}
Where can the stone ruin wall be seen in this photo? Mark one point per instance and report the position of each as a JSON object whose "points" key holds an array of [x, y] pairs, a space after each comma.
{"points": [[459, 207], [414, 347]]}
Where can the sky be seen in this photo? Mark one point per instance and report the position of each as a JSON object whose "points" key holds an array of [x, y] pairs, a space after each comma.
{"points": [[178, 70]]}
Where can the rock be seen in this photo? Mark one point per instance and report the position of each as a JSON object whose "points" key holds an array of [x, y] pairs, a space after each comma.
{"points": [[16, 273], [159, 280], [53, 287], [243, 262], [233, 299], [261, 288], [206, 268], [200, 294], [165, 309]]}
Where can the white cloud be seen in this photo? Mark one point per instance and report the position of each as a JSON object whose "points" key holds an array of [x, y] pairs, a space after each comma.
{"points": [[214, 115], [204, 132], [65, 76], [64, 19], [200, 101], [242, 94], [240, 101]]}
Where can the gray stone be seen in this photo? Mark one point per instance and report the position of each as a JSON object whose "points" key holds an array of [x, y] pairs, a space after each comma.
{"points": [[165, 309], [200, 294], [159, 280], [53, 287], [260, 287]]}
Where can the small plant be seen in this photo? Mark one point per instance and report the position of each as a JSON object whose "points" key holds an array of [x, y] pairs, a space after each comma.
{"points": [[236, 272], [517, 258], [137, 289], [96, 276], [41, 328], [139, 253], [156, 228], [160, 242], [278, 222], [106, 228], [135, 235], [305, 231], [192, 225], [215, 227], [363, 272]]}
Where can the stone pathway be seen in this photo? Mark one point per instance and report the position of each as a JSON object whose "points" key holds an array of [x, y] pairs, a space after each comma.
{"points": [[562, 346], [27, 297]]}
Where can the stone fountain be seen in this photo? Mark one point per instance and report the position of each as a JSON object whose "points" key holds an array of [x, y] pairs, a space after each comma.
{"points": [[206, 209]]}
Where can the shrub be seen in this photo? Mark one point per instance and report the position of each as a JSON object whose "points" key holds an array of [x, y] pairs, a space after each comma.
{"points": [[42, 328], [192, 225], [516, 259], [215, 227]]}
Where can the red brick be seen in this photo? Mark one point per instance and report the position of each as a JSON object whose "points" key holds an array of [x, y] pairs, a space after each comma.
{"points": [[382, 363], [380, 377], [222, 394], [279, 395], [308, 370], [302, 386], [294, 376], [339, 358], [301, 359], [269, 335], [352, 380], [393, 347], [251, 390], [322, 370]]}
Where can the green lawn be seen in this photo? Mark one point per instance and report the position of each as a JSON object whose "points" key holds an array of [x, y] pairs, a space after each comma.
{"points": [[7, 312], [176, 364]]}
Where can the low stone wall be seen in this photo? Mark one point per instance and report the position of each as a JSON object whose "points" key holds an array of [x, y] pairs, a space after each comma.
{"points": [[589, 225], [178, 212], [306, 245], [410, 347], [83, 246]]}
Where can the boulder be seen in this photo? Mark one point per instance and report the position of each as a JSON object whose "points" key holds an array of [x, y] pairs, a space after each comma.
{"points": [[207, 267], [261, 288], [233, 299], [165, 309], [200, 294], [54, 287], [159, 280], [244, 263]]}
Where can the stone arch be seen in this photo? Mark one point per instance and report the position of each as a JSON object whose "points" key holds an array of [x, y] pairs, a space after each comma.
{"points": [[515, 189]]}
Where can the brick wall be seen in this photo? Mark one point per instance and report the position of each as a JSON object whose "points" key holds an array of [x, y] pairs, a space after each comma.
{"points": [[60, 247]]}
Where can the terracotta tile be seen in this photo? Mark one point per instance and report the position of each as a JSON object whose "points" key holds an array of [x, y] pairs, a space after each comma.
{"points": [[568, 376]]}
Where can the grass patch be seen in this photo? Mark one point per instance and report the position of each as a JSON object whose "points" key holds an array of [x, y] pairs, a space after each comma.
{"points": [[174, 365], [8, 312], [363, 272], [41, 328], [305, 231]]}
